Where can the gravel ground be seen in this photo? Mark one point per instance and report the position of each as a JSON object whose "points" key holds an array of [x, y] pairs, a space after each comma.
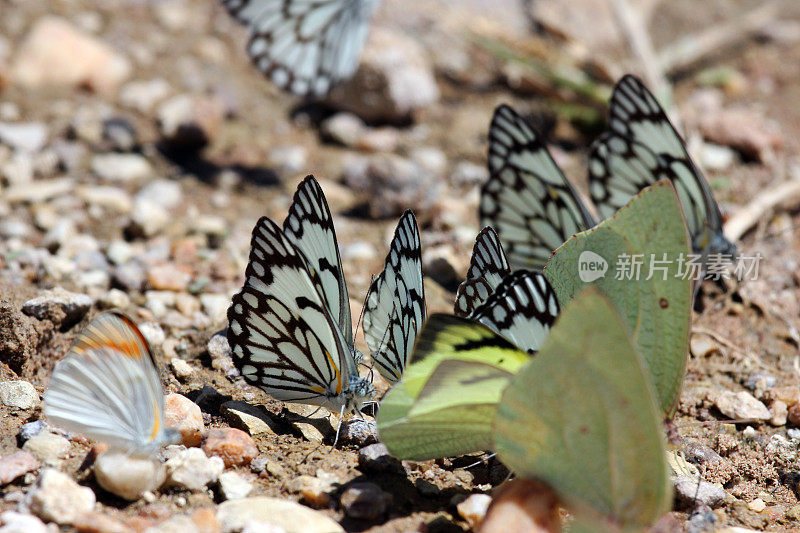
{"points": [[132, 173]]}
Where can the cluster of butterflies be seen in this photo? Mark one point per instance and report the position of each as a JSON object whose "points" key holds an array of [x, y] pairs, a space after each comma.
{"points": [[290, 326]]}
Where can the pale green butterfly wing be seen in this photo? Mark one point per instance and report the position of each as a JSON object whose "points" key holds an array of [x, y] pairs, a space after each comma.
{"points": [[656, 311], [445, 402], [452, 415], [582, 416]]}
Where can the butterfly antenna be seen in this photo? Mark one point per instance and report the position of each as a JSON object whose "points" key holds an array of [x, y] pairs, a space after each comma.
{"points": [[483, 460], [364, 307]]}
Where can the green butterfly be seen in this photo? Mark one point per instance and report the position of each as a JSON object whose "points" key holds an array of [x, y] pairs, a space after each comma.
{"points": [[581, 415]]}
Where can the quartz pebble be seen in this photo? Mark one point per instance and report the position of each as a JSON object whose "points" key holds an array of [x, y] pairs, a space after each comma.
{"points": [[121, 168], [128, 476], [18, 394], [233, 446], [48, 448], [283, 515], [233, 485], [741, 404], [14, 522], [183, 370], [689, 493], [220, 352], [56, 497], [184, 415], [473, 509], [365, 501], [192, 469], [15, 465]]}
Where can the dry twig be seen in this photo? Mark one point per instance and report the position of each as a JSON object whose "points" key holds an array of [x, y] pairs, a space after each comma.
{"points": [[758, 207]]}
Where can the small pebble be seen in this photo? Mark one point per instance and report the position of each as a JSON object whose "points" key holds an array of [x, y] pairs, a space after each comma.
{"points": [[148, 218], [688, 494], [281, 514], [14, 522], [741, 404], [61, 307], [192, 469], [15, 465], [166, 193], [376, 458], [215, 306], [757, 505], [358, 432], [30, 430], [233, 446], [169, 277], [184, 415], [128, 476], [473, 509], [314, 490], [18, 394], [122, 168], [183, 370], [233, 485], [249, 418], [220, 352], [365, 501], [48, 447], [56, 497]]}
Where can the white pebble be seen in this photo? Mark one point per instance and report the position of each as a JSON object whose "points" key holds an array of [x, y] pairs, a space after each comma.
{"points": [[19, 394], [126, 476], [56, 497]]}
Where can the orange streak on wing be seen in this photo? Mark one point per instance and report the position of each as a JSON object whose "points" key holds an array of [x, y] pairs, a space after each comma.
{"points": [[157, 424], [336, 369]]}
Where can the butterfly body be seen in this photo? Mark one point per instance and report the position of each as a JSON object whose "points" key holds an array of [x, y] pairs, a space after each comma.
{"points": [[289, 326], [108, 388]]}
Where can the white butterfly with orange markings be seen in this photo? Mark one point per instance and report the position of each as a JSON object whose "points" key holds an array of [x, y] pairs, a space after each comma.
{"points": [[108, 388]]}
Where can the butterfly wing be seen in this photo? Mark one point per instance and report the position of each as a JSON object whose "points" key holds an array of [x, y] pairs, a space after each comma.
{"points": [[487, 268], [642, 147], [527, 198], [283, 336], [305, 46], [395, 304], [108, 387], [309, 226], [522, 309]]}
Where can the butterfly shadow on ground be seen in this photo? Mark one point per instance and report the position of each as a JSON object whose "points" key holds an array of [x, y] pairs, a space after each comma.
{"points": [[406, 498], [191, 161]]}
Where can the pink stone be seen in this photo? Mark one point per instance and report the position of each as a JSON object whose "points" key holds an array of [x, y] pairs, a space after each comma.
{"points": [[14, 465], [184, 415], [233, 446]]}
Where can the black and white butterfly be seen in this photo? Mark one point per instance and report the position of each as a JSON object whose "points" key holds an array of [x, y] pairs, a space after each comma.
{"points": [[487, 268], [522, 308], [527, 198], [305, 46], [289, 326], [641, 147], [395, 304]]}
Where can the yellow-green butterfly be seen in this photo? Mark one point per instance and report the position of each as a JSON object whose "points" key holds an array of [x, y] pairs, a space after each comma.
{"points": [[581, 416], [445, 402]]}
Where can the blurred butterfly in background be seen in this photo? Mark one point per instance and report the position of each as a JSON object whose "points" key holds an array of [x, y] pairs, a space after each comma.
{"points": [[487, 268], [289, 326], [108, 388], [641, 147], [305, 46], [395, 303], [527, 198]]}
